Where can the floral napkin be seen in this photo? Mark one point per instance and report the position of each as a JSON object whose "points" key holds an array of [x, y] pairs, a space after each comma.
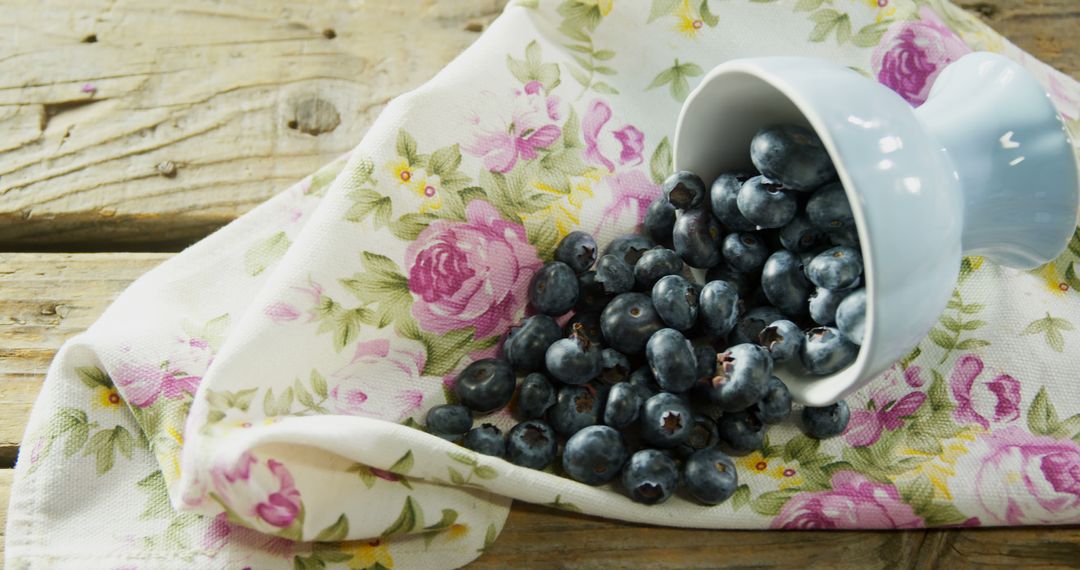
{"points": [[251, 403]]}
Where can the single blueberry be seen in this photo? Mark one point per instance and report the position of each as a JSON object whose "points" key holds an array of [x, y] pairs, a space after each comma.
{"points": [[623, 405], [578, 250], [775, 406], [573, 360], [744, 251], [766, 203], [743, 431], [723, 199], [800, 235], [577, 407], [828, 209], [527, 343], [660, 220], [742, 374], [793, 156], [672, 360], [594, 455], [590, 326], [676, 301], [449, 421], [706, 361], [745, 283], [783, 339], [554, 289], [531, 444], [485, 385], [486, 439], [836, 268], [752, 322], [535, 396], [684, 190], [614, 367], [823, 304], [628, 321], [654, 265], [703, 435], [614, 275], [783, 282], [710, 476], [666, 421], [851, 316], [825, 351], [629, 247], [650, 476], [719, 307], [644, 382], [844, 236], [826, 422], [696, 238], [591, 295]]}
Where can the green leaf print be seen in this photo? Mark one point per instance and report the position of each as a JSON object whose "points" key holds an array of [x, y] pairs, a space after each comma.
{"points": [[280, 405], [265, 253], [489, 537], [157, 499], [741, 498], [770, 503], [104, 445], [955, 325], [660, 164], [808, 5], [406, 148], [322, 178], [367, 202], [1043, 419], [446, 350], [560, 504], [1051, 329], [381, 284], [410, 518], [675, 77], [409, 226], [93, 377], [1071, 279], [337, 531], [1074, 243], [533, 68], [661, 8]]}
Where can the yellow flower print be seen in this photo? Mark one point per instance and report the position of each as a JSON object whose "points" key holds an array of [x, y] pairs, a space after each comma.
{"points": [[367, 553], [605, 6], [1055, 283], [885, 9], [689, 20], [564, 213], [107, 397], [428, 191], [942, 467], [773, 467], [457, 532], [402, 172]]}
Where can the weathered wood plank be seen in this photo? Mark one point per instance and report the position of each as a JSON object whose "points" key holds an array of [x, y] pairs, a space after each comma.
{"points": [[1045, 28]]}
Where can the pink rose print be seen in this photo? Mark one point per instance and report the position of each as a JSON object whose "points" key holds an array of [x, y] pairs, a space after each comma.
{"points": [[531, 125], [885, 407], [281, 312], [471, 274], [911, 54], [142, 384], [264, 493], [854, 502], [983, 400], [1020, 478], [603, 141], [631, 192], [364, 387]]}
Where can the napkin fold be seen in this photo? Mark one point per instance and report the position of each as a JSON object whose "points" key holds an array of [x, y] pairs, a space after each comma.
{"points": [[252, 401]]}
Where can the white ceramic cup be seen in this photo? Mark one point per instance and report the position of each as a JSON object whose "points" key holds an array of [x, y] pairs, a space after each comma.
{"points": [[984, 167]]}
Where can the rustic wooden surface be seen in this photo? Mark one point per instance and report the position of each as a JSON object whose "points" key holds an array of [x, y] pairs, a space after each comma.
{"points": [[200, 110]]}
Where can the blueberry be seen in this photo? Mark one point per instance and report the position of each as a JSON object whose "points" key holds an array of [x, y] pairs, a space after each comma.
{"points": [[486, 439], [784, 284], [805, 257], [628, 321], [623, 405], [614, 366], [672, 360], [766, 203], [783, 339], [573, 360], [836, 268], [485, 385], [614, 275], [719, 307], [629, 247], [676, 301], [793, 156], [590, 326], [535, 396], [710, 476], [531, 444], [591, 295], [684, 190], [654, 265], [666, 421], [844, 236], [578, 250], [527, 343], [826, 422], [696, 238], [744, 251], [745, 283], [554, 289], [449, 421], [650, 476], [742, 374], [775, 406], [703, 435], [660, 220], [577, 407], [723, 199], [851, 316], [800, 235], [644, 382], [594, 455], [706, 361], [823, 304], [750, 325], [828, 208], [743, 431], [825, 351]]}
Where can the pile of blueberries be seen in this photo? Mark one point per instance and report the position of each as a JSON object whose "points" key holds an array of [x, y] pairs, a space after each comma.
{"points": [[656, 378]]}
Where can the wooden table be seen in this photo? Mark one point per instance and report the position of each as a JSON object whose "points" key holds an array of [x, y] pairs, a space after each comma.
{"points": [[202, 110]]}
